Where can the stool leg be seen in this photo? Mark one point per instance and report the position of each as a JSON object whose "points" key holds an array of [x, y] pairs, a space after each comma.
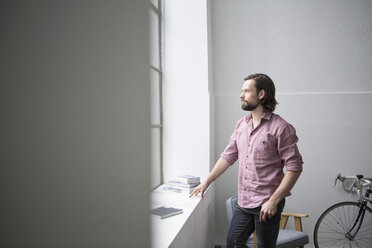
{"points": [[298, 224], [255, 239], [283, 222]]}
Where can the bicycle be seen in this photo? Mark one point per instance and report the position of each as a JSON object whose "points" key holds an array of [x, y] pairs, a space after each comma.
{"points": [[347, 224]]}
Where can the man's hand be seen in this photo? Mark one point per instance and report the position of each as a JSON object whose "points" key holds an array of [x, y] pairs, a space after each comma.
{"points": [[200, 189], [218, 169], [268, 210]]}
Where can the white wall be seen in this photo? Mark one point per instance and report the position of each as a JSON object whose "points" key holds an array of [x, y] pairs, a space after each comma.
{"points": [[198, 230], [319, 54], [75, 124]]}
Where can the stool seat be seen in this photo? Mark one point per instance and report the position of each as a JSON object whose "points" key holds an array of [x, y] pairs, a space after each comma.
{"points": [[287, 238]]}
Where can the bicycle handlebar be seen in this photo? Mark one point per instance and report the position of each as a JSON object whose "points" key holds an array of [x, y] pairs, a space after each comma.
{"points": [[358, 182]]}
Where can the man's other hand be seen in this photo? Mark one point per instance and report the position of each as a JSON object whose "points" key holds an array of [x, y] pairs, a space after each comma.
{"points": [[268, 210]]}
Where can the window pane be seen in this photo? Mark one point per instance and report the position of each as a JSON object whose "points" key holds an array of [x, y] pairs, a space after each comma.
{"points": [[155, 97], [155, 157], [154, 39], [155, 2]]}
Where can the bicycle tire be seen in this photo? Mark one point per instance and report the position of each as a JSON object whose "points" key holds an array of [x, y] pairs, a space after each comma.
{"points": [[336, 221]]}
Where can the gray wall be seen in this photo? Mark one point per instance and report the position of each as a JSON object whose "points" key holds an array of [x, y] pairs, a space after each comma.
{"points": [[319, 54], [74, 133]]}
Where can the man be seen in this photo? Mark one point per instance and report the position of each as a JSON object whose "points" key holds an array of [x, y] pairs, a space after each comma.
{"points": [[264, 143]]}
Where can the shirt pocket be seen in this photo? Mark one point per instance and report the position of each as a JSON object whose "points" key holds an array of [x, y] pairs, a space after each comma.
{"points": [[265, 149]]}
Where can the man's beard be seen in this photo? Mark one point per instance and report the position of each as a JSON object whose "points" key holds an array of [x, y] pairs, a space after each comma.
{"points": [[249, 107]]}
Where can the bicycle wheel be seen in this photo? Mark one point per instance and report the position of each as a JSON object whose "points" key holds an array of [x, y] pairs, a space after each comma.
{"points": [[336, 221]]}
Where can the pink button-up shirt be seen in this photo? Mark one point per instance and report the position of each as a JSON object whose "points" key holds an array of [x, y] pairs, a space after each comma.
{"points": [[262, 152]]}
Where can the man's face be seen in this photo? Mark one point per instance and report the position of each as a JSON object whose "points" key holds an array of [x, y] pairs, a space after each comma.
{"points": [[249, 95]]}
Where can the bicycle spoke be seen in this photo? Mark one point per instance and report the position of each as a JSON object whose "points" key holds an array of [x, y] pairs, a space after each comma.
{"points": [[363, 231], [344, 222], [346, 243], [330, 241], [333, 217], [334, 227], [331, 229], [360, 244], [341, 220]]}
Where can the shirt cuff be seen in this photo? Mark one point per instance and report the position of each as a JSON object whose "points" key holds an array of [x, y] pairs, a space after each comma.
{"points": [[294, 167], [229, 160]]}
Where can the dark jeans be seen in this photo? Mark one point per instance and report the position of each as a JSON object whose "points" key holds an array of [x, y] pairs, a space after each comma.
{"points": [[246, 220]]}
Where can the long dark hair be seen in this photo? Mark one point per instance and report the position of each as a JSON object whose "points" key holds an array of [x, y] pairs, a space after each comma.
{"points": [[264, 82]]}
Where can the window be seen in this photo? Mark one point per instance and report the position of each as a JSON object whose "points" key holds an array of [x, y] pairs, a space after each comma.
{"points": [[156, 75]]}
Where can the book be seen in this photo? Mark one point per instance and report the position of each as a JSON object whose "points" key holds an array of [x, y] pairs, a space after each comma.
{"points": [[180, 184], [178, 189], [187, 179], [165, 212]]}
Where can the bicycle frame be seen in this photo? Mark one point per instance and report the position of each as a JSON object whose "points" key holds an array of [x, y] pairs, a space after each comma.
{"points": [[363, 204]]}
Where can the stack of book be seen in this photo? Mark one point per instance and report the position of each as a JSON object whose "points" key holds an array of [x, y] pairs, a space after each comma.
{"points": [[182, 184]]}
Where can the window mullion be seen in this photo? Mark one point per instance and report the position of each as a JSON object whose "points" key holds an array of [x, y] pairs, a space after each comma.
{"points": [[157, 94]]}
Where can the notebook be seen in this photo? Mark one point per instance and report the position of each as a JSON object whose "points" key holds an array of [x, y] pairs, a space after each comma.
{"points": [[165, 212]]}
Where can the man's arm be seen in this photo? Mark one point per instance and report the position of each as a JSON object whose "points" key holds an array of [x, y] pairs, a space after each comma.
{"points": [[218, 169], [269, 208]]}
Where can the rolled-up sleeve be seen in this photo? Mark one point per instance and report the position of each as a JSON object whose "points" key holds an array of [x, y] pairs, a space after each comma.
{"points": [[288, 150], [230, 154]]}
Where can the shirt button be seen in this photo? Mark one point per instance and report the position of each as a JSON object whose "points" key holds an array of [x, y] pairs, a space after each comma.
{"points": [[247, 156], [246, 167], [245, 178]]}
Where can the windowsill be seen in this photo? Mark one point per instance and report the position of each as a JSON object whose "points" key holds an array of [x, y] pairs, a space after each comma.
{"points": [[164, 231]]}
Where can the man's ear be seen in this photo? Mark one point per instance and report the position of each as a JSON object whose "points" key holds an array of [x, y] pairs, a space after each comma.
{"points": [[261, 94]]}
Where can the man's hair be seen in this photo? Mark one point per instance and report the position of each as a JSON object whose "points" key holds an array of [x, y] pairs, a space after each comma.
{"points": [[264, 82]]}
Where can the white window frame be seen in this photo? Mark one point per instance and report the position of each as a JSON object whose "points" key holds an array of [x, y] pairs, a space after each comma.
{"points": [[157, 152]]}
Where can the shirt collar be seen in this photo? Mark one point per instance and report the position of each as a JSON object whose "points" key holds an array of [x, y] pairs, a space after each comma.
{"points": [[266, 116]]}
